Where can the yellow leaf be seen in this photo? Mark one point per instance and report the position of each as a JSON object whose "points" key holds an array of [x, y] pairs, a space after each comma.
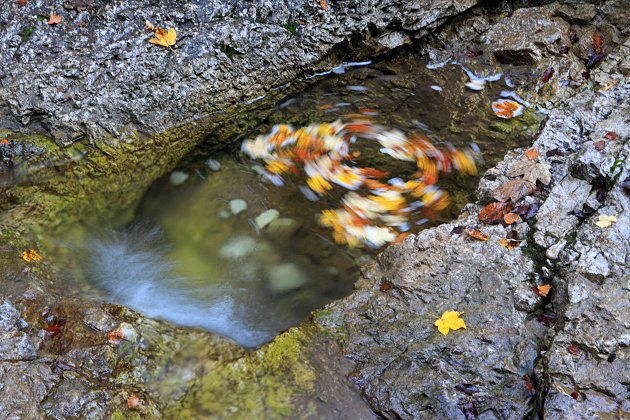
{"points": [[450, 320], [605, 221], [510, 244], [164, 38], [31, 255]]}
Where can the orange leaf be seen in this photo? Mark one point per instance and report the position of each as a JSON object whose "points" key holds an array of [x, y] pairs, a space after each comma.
{"points": [[532, 153], [54, 19], [324, 107], [4, 141], [21, 3], [477, 234], [385, 286], [401, 237], [598, 43], [31, 255], [506, 109], [493, 213], [132, 402], [164, 38], [542, 290], [511, 218], [116, 336], [323, 4]]}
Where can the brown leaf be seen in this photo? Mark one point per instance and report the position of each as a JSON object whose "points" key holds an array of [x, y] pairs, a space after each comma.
{"points": [[575, 395], [547, 74], [116, 336], [493, 213], [528, 384], [599, 145], [574, 350], [148, 25], [510, 244], [385, 286], [531, 171], [598, 43], [514, 190], [323, 4], [132, 402], [611, 135], [532, 154], [542, 290], [512, 218], [54, 19], [477, 234], [21, 3]]}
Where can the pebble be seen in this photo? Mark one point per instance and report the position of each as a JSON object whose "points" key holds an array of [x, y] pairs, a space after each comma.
{"points": [[286, 277], [238, 247], [237, 205], [178, 178], [215, 165], [266, 217]]}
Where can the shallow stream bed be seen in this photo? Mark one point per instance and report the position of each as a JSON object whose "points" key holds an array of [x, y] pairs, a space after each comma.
{"points": [[215, 245]]}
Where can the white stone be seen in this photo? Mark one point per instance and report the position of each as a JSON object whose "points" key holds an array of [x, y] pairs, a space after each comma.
{"points": [[178, 177], [238, 247], [237, 205], [266, 217], [286, 277]]}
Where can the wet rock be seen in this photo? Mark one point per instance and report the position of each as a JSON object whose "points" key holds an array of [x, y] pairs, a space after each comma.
{"points": [[23, 386], [238, 247], [237, 205], [285, 278], [283, 228], [178, 178], [266, 217], [99, 319], [14, 344]]}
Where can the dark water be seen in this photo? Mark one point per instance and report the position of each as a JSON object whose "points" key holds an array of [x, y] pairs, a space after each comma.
{"points": [[197, 257]]}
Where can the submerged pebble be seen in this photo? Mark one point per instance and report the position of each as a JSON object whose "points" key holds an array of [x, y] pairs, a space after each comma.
{"points": [[266, 217], [283, 228], [215, 165], [238, 247], [178, 178], [284, 278], [237, 205]]}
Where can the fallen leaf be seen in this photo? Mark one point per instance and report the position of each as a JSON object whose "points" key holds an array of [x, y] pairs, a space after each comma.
{"points": [[132, 402], [507, 109], [116, 336], [586, 75], [164, 38], [470, 410], [450, 320], [477, 234], [493, 213], [510, 244], [575, 395], [458, 230], [31, 255], [467, 388], [532, 154], [527, 211], [611, 135], [547, 74], [54, 19], [323, 4], [54, 329], [542, 290], [512, 218], [529, 386], [598, 43], [531, 171], [599, 145], [148, 26], [547, 319], [574, 350], [21, 3], [385, 286], [4, 141], [605, 221], [514, 190], [401, 237]]}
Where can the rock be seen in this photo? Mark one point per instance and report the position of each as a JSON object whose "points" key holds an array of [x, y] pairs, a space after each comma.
{"points": [[215, 165], [285, 278], [23, 386], [266, 217], [238, 247], [99, 319], [283, 228], [237, 205], [177, 178]]}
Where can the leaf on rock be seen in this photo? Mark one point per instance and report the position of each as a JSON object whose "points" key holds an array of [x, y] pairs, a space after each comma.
{"points": [[512, 218], [510, 244], [31, 256], [148, 25], [605, 221], [599, 145], [611, 135], [531, 171], [542, 290], [507, 109], [385, 286], [529, 386], [575, 395], [450, 320], [598, 43], [54, 19], [21, 3], [116, 336], [132, 402], [477, 234], [574, 350], [458, 230], [532, 154], [547, 74], [493, 213], [323, 4], [514, 190], [164, 38]]}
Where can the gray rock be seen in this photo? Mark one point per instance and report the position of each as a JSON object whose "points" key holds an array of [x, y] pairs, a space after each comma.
{"points": [[23, 386], [266, 217], [237, 205]]}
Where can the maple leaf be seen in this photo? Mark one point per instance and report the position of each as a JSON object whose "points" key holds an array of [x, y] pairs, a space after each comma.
{"points": [[477, 234], [542, 290], [531, 171], [450, 320], [54, 19], [493, 213], [510, 244], [504, 108], [31, 255], [164, 38], [514, 190], [531, 154], [512, 218], [605, 221]]}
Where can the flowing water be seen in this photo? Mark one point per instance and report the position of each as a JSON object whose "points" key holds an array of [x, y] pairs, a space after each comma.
{"points": [[215, 245]]}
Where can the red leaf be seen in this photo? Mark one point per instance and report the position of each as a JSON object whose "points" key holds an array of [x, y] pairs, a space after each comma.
{"points": [[598, 43], [528, 385], [547, 74], [53, 330], [574, 350], [385, 286], [21, 3], [599, 145], [575, 395], [611, 135], [493, 213]]}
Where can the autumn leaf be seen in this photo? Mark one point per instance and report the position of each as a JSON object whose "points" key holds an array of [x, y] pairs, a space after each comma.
{"points": [[21, 3], [529, 386], [477, 234], [148, 26], [493, 213], [164, 38], [599, 145], [116, 336], [54, 19], [547, 74], [531, 171], [542, 290], [574, 350], [605, 221], [512, 218], [504, 108], [514, 190], [450, 320], [4, 141], [385, 286], [323, 4], [510, 244], [611, 135], [598, 43], [132, 402], [532, 154], [31, 255]]}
